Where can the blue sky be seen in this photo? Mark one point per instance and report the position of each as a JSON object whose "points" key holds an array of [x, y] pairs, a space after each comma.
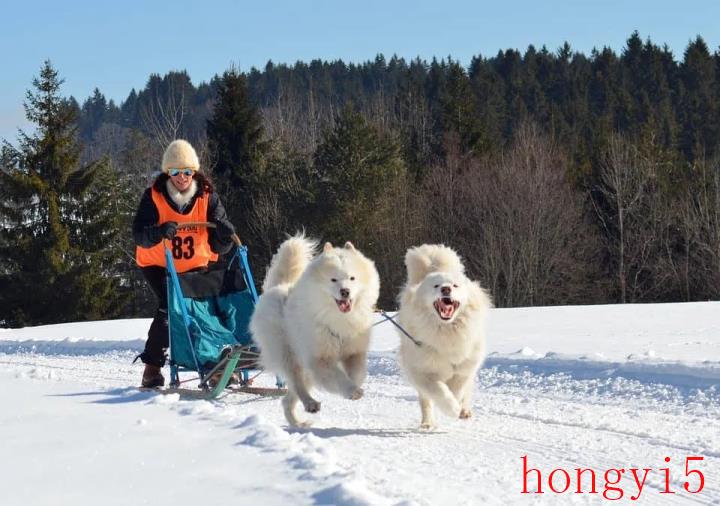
{"points": [[115, 46]]}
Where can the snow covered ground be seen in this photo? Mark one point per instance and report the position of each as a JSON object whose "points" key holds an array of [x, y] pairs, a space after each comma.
{"points": [[601, 388]]}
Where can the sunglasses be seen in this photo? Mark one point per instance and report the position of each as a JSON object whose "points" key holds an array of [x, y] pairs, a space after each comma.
{"points": [[184, 172]]}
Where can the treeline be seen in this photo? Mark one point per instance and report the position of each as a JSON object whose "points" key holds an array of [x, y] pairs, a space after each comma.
{"points": [[561, 178]]}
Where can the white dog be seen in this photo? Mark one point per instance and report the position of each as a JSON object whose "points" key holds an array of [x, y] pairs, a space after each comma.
{"points": [[444, 312], [313, 321]]}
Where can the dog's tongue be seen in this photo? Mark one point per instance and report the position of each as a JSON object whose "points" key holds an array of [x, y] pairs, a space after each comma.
{"points": [[344, 306], [446, 310]]}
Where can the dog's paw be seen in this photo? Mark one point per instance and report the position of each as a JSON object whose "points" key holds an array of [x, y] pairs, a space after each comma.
{"points": [[299, 424], [311, 406], [427, 425], [355, 394], [450, 407], [465, 414]]}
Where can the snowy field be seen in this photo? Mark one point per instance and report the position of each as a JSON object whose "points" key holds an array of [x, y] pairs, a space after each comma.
{"points": [[596, 388]]}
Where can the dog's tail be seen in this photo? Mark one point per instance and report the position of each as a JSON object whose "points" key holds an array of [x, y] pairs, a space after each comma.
{"points": [[422, 260], [291, 259]]}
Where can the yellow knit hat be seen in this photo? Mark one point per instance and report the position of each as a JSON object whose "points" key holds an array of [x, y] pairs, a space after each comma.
{"points": [[180, 155]]}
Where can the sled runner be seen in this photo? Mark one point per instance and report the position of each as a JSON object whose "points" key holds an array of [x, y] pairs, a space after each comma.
{"points": [[208, 316]]}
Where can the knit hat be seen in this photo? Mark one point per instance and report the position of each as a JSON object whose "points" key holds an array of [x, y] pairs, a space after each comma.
{"points": [[180, 155]]}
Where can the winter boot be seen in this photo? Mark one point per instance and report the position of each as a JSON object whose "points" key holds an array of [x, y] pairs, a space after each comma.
{"points": [[152, 377]]}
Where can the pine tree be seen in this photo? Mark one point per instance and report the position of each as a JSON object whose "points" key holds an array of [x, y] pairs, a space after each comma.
{"points": [[56, 220], [460, 110], [235, 139], [361, 191], [698, 109], [508, 66], [413, 116], [490, 97], [92, 115], [354, 164], [129, 111]]}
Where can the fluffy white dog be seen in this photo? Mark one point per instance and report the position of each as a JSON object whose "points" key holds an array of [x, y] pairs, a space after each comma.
{"points": [[313, 321], [444, 312]]}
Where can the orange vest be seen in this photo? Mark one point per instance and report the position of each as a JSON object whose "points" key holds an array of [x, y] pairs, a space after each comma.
{"points": [[190, 247]]}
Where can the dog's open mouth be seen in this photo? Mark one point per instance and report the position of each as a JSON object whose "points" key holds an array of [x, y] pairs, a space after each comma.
{"points": [[344, 305], [446, 307]]}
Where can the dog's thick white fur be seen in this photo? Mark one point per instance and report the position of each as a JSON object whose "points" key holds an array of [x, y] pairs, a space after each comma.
{"points": [[313, 321], [445, 312]]}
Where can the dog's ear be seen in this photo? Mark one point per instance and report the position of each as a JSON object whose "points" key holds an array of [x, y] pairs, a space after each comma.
{"points": [[349, 245], [418, 265], [328, 247], [479, 299]]}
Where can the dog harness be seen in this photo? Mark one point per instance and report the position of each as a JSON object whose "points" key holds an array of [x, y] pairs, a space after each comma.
{"points": [[391, 320]]}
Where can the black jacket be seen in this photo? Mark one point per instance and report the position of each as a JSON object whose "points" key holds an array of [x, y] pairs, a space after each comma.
{"points": [[146, 232]]}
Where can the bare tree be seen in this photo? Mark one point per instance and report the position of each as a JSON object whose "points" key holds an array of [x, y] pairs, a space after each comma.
{"points": [[379, 110], [622, 204], [516, 220], [269, 223], [286, 123], [108, 140], [163, 117], [415, 121], [537, 238], [445, 187], [705, 212], [712, 220], [398, 224], [673, 267], [296, 122]]}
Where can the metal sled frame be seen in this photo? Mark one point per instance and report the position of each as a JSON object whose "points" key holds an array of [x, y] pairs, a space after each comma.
{"points": [[231, 355]]}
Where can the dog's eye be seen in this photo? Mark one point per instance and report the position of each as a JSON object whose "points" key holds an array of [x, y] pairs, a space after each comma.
{"points": [[334, 280], [437, 286], [455, 286], [352, 278]]}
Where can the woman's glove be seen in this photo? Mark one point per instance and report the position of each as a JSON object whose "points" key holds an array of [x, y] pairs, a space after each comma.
{"points": [[223, 230], [168, 229]]}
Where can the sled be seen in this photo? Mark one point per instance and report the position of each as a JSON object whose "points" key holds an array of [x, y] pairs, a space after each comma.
{"points": [[208, 316]]}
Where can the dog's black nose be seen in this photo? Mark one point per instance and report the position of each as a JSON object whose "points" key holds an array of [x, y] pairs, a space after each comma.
{"points": [[344, 293], [445, 290]]}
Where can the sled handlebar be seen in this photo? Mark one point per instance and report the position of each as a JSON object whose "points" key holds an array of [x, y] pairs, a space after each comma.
{"points": [[207, 224]]}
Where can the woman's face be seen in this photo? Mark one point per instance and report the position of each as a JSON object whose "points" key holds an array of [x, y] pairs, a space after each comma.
{"points": [[182, 181]]}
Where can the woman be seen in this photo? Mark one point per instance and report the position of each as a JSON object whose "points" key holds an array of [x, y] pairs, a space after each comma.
{"points": [[180, 194]]}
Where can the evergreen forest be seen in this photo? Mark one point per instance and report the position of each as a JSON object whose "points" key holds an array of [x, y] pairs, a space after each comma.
{"points": [[559, 177]]}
